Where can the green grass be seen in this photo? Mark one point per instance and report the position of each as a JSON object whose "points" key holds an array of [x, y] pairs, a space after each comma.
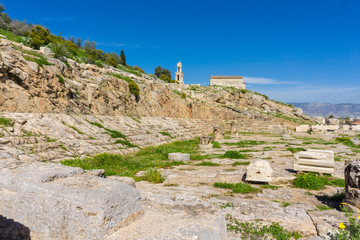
{"points": [[226, 205], [40, 61], [207, 163], [112, 133], [295, 150], [133, 86], [235, 155], [268, 186], [6, 122], [166, 134], [346, 141], [240, 163], [77, 130], [129, 165], [125, 143], [256, 230], [61, 79], [285, 204], [11, 36], [312, 181], [216, 144], [323, 207], [245, 143], [127, 79], [50, 139], [237, 187]]}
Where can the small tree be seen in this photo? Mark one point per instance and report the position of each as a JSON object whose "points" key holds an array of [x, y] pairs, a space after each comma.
{"points": [[122, 57], [5, 20]]}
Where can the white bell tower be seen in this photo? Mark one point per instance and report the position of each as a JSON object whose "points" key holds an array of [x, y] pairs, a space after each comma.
{"points": [[179, 76]]}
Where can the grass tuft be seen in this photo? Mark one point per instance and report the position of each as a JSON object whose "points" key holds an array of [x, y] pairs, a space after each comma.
{"points": [[237, 187]]}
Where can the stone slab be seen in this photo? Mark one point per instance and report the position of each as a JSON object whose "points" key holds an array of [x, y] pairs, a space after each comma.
{"points": [[313, 160], [179, 156], [259, 171]]}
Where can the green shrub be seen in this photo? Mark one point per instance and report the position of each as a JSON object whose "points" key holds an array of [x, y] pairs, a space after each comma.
{"points": [[6, 122], [216, 144], [313, 181], [166, 134], [285, 204], [237, 187], [61, 79], [39, 37], [235, 155], [154, 176], [41, 61], [134, 88]]}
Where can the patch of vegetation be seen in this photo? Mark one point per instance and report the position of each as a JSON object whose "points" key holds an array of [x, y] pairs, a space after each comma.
{"points": [[235, 155], [125, 143], [6, 122], [154, 176], [285, 204], [50, 139], [240, 163], [216, 144], [129, 165], [295, 150], [166, 134], [133, 86], [77, 130], [207, 163], [346, 141], [295, 120], [237, 187], [348, 231], [61, 79], [313, 181], [245, 143], [257, 231], [268, 186], [40, 61], [226, 205], [324, 207], [112, 133]]}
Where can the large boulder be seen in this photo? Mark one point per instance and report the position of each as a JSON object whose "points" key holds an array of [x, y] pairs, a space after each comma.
{"points": [[59, 202]]}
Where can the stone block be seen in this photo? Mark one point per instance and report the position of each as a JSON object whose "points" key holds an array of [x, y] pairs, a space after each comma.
{"points": [[205, 140], [233, 129], [46, 51], [259, 171], [302, 128], [333, 121], [128, 180], [352, 183], [179, 156], [325, 128], [312, 160]]}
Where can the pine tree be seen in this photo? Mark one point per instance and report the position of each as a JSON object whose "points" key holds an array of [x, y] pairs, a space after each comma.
{"points": [[122, 57]]}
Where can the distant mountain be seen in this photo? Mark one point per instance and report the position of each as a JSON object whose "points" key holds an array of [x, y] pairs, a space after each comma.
{"points": [[327, 109]]}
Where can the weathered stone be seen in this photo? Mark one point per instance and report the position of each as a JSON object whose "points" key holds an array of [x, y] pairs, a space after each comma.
{"points": [[46, 51], [218, 133], [233, 129], [287, 137], [312, 160], [205, 140], [355, 141], [179, 156], [59, 202], [324, 128], [259, 171], [352, 182], [302, 128], [95, 172], [333, 121], [128, 180], [298, 112]]}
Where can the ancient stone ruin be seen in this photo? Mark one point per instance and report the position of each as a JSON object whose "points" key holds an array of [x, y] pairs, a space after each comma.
{"points": [[352, 183], [233, 129], [259, 171], [218, 133], [205, 142], [312, 160]]}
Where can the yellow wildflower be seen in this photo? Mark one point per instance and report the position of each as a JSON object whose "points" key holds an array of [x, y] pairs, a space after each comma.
{"points": [[342, 226], [343, 203], [359, 216]]}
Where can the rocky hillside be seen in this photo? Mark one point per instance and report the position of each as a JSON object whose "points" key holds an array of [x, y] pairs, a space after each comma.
{"points": [[32, 82]]}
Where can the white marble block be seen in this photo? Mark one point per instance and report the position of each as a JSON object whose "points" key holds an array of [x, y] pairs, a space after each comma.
{"points": [[320, 161], [259, 171]]}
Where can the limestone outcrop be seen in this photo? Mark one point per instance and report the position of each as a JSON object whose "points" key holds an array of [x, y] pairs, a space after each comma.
{"points": [[59, 202]]}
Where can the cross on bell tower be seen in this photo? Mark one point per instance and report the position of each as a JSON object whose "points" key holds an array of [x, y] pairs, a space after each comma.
{"points": [[179, 74]]}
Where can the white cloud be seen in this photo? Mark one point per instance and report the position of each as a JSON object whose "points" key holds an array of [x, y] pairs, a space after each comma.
{"points": [[261, 80]]}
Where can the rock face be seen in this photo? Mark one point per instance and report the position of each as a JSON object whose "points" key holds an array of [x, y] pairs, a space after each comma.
{"points": [[259, 171], [80, 206], [352, 183], [312, 160]]}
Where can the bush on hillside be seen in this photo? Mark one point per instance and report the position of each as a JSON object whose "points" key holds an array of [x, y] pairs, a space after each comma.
{"points": [[39, 37]]}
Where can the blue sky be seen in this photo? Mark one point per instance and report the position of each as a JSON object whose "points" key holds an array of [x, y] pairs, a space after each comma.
{"points": [[291, 50]]}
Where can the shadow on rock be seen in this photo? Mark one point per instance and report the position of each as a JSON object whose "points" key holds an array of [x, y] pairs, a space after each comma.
{"points": [[12, 230]]}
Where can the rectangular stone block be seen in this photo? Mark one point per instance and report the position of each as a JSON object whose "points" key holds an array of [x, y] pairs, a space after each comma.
{"points": [[312, 160], [179, 156], [302, 128]]}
